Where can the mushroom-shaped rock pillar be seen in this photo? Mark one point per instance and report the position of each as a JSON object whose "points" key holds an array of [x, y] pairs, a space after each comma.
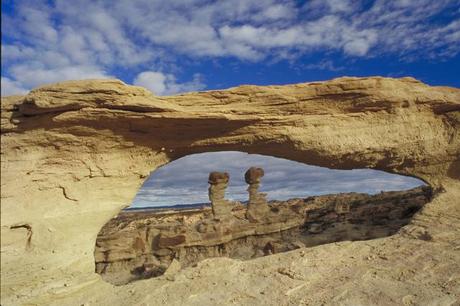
{"points": [[218, 182], [257, 206]]}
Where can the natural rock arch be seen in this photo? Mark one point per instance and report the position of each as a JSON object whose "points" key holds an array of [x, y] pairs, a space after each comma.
{"points": [[152, 239], [81, 149]]}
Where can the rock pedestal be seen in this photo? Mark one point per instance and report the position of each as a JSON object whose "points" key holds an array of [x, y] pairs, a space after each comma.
{"points": [[221, 208], [257, 206]]}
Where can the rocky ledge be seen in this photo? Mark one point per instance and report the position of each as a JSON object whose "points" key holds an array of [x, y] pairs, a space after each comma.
{"points": [[136, 245]]}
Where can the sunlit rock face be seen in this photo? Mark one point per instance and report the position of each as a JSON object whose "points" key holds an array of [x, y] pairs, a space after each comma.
{"points": [[75, 153], [218, 182], [257, 204]]}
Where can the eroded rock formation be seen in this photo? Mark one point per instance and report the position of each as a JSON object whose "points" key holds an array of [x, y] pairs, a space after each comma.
{"points": [[257, 205], [218, 182], [137, 245], [75, 153]]}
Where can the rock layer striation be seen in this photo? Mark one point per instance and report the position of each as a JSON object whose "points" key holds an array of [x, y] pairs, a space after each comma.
{"points": [[144, 244], [73, 154]]}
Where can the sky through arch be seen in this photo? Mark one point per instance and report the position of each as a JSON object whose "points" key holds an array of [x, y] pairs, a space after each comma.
{"points": [[184, 181]]}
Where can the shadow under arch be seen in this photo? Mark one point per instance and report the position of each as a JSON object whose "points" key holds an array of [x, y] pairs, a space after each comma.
{"points": [[144, 242]]}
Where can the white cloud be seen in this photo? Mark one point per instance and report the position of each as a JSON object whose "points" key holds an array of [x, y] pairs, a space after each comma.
{"points": [[331, 6], [30, 76], [251, 30], [244, 29], [56, 42], [10, 87], [89, 38], [323, 65], [319, 33], [340, 5], [358, 47], [37, 25], [13, 52], [278, 11], [261, 37], [404, 27], [165, 84], [153, 81]]}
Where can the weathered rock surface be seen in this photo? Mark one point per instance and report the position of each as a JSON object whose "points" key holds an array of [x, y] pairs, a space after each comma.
{"points": [[136, 245], [73, 154], [218, 182], [257, 205]]}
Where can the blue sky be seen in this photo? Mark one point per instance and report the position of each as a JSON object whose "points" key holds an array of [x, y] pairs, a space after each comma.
{"points": [[178, 46], [185, 181]]}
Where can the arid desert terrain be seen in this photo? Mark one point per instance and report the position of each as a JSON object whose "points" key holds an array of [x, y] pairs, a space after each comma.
{"points": [[74, 154]]}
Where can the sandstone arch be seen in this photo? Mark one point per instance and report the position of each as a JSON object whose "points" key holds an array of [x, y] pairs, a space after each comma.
{"points": [[141, 243], [74, 153]]}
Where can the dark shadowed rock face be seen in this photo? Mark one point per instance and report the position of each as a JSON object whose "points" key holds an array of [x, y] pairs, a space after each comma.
{"points": [[253, 175], [137, 245], [218, 178]]}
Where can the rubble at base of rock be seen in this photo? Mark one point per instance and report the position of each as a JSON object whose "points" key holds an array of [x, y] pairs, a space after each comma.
{"points": [[135, 246]]}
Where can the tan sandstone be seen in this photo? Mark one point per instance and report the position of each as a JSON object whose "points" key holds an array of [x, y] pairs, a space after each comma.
{"points": [[257, 205], [74, 154], [140, 244]]}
